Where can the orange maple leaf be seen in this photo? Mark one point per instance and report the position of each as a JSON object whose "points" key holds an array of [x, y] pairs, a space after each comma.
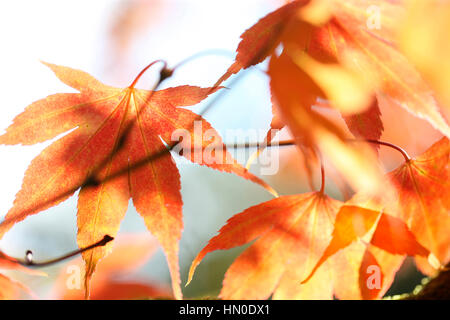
{"points": [[423, 189], [376, 55], [312, 130], [298, 80], [294, 238], [336, 58], [344, 35], [420, 217], [259, 41], [291, 232], [110, 154], [371, 229]]}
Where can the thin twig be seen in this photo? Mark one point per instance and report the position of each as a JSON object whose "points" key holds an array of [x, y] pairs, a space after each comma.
{"points": [[322, 172], [29, 255]]}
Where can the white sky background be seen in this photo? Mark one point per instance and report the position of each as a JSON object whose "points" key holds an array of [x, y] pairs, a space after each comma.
{"points": [[74, 33]]}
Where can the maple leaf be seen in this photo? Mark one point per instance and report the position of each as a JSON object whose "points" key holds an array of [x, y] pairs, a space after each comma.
{"points": [[362, 271], [298, 80], [340, 59], [288, 230], [372, 228], [294, 238], [366, 125], [420, 207], [422, 186], [347, 35], [130, 252], [284, 25], [420, 217], [110, 154], [259, 41], [374, 52], [313, 130]]}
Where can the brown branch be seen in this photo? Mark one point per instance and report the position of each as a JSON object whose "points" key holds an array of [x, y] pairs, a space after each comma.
{"points": [[438, 288], [29, 255]]}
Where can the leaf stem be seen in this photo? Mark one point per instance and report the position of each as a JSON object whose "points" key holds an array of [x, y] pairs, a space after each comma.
{"points": [[322, 172], [387, 144], [29, 255], [145, 69], [292, 142]]}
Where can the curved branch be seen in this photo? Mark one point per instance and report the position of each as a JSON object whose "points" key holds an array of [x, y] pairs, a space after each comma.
{"points": [[29, 255]]}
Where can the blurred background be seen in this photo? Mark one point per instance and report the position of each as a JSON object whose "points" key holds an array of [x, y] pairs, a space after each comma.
{"points": [[113, 40]]}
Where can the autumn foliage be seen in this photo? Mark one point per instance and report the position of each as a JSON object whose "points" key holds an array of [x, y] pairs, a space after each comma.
{"points": [[322, 57]]}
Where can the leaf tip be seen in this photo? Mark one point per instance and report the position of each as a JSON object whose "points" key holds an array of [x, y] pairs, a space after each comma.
{"points": [[191, 273], [46, 63]]}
